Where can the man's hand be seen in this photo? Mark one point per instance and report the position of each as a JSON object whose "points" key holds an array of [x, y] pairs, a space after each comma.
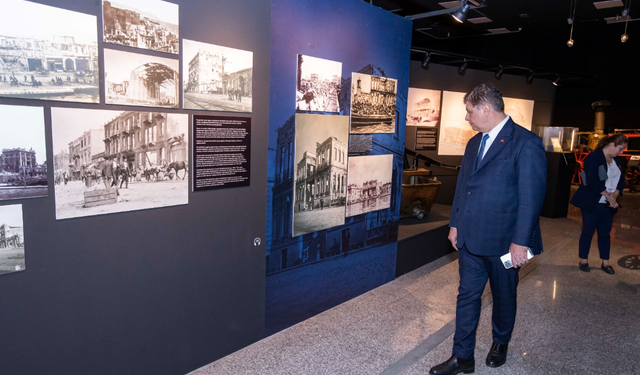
{"points": [[453, 237], [518, 255]]}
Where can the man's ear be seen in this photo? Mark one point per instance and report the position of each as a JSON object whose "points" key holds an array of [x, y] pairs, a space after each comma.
{"points": [[486, 109]]}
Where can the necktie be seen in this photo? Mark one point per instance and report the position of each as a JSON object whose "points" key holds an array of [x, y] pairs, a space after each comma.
{"points": [[481, 152]]}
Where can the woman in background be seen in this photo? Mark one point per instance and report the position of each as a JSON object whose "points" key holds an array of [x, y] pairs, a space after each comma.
{"points": [[597, 197]]}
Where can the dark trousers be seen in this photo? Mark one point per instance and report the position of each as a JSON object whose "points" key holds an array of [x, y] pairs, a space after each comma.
{"points": [[601, 221], [474, 273]]}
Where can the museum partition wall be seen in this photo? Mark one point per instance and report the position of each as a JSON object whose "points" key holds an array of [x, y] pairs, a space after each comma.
{"points": [[179, 178], [167, 273], [339, 79], [530, 104]]}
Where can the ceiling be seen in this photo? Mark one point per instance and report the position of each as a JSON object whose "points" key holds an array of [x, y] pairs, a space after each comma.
{"points": [[528, 38]]}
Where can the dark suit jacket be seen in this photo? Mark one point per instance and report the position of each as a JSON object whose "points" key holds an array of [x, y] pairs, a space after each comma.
{"points": [[595, 169], [500, 202]]}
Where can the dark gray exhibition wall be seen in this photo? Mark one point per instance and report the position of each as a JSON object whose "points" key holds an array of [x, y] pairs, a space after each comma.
{"points": [[447, 78], [159, 291]]}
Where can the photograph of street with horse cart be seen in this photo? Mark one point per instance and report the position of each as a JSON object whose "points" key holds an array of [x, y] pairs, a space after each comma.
{"points": [[120, 161]]}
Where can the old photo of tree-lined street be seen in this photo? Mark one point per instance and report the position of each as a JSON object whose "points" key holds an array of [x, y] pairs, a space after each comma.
{"points": [[23, 159], [11, 239], [48, 53], [148, 24], [135, 79], [219, 78], [129, 160]]}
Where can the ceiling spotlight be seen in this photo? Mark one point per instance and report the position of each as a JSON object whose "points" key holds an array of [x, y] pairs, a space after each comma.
{"points": [[571, 20], [624, 36], [426, 61], [499, 72], [556, 82], [460, 15], [530, 77], [463, 67]]}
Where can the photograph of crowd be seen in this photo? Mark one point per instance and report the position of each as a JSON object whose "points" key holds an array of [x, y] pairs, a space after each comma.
{"points": [[320, 172], [11, 239], [318, 84], [23, 158], [119, 161], [148, 24], [423, 107], [219, 78], [48, 53], [369, 184], [373, 104], [135, 79]]}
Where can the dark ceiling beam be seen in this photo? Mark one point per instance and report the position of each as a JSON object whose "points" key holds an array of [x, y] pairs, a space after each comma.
{"points": [[492, 65], [439, 12]]}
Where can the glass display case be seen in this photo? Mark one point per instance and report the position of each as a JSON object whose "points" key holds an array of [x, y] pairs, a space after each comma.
{"points": [[558, 139]]}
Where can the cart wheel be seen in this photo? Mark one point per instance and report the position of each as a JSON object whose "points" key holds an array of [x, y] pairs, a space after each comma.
{"points": [[418, 213]]}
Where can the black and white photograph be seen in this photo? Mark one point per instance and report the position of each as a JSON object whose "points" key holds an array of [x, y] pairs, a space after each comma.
{"points": [[135, 79], [148, 24], [48, 53], [220, 78], [23, 162], [320, 174], [369, 184], [423, 107], [120, 161], [373, 104], [318, 84], [11, 239]]}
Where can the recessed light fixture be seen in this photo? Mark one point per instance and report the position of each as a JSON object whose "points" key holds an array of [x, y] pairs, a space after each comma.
{"points": [[607, 4], [478, 20]]}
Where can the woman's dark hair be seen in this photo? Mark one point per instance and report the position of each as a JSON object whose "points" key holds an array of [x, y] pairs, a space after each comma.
{"points": [[617, 139]]}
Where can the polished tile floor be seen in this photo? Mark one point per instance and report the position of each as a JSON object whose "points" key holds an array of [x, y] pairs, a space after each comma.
{"points": [[569, 321]]}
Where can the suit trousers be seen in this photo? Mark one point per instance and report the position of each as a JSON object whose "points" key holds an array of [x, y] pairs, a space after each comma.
{"points": [[602, 221], [474, 272]]}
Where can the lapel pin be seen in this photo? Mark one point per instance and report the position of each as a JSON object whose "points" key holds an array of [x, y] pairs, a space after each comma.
{"points": [[502, 140]]}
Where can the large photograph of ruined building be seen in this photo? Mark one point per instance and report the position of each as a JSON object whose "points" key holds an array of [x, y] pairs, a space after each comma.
{"points": [[48, 53], [23, 161], [11, 239], [135, 79], [321, 149], [373, 104], [148, 24], [369, 184], [120, 160], [220, 78]]}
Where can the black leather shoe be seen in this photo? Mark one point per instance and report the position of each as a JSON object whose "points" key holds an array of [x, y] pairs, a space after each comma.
{"points": [[584, 267], [608, 269], [497, 355], [454, 365]]}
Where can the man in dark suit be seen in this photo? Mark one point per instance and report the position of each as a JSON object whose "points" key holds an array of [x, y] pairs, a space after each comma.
{"points": [[496, 210]]}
